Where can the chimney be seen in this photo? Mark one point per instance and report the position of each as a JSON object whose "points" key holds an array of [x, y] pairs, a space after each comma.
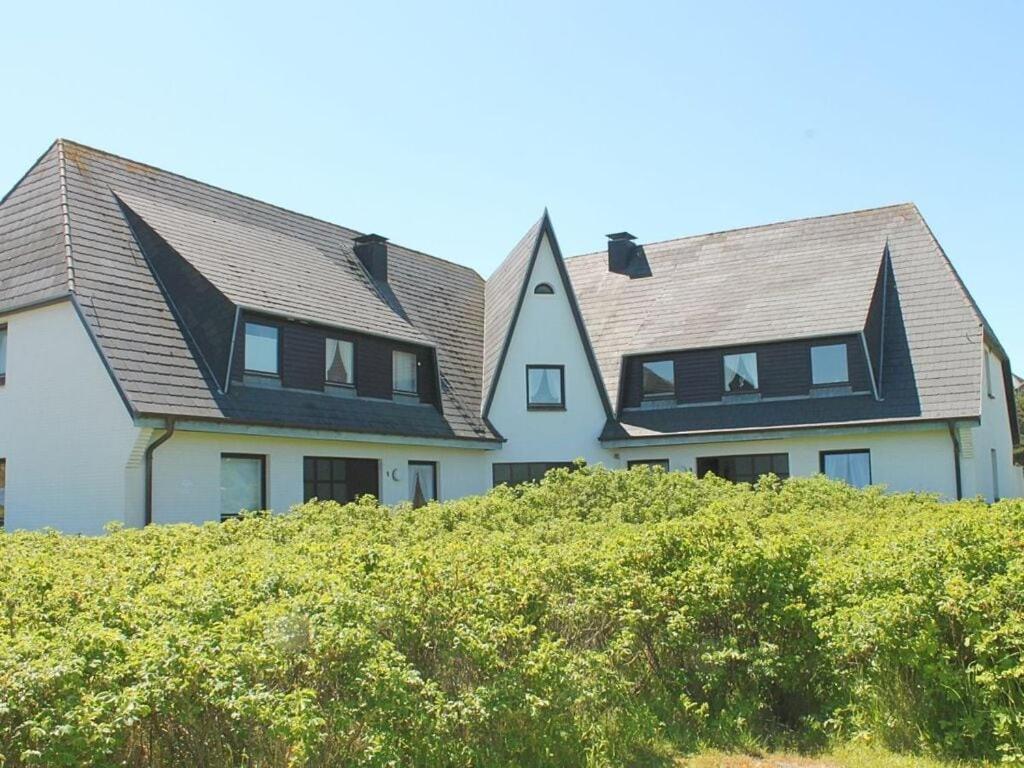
{"points": [[372, 250], [621, 250]]}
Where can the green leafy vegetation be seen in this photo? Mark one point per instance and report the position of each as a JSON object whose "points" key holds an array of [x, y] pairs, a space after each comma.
{"points": [[599, 618]]}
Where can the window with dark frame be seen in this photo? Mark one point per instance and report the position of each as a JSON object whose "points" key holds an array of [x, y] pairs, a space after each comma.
{"points": [[658, 379], [404, 368], [422, 482], [515, 473], [829, 364], [740, 372], [3, 491], [243, 483], [545, 387], [339, 362], [852, 467], [744, 468], [262, 349], [339, 479], [3, 354], [663, 463], [544, 289]]}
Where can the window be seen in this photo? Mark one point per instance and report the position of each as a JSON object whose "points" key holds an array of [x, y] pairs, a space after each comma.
{"points": [[525, 472], [422, 482], [545, 387], [663, 463], [658, 379], [261, 349], [243, 483], [995, 475], [339, 363], [341, 480], [744, 469], [740, 372], [3, 490], [829, 364], [852, 467], [3, 353], [988, 373], [404, 378], [544, 289]]}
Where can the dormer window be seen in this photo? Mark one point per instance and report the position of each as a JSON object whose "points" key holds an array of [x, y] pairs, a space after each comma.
{"points": [[404, 378], [544, 289], [829, 364], [658, 380], [262, 351], [339, 363], [740, 372]]}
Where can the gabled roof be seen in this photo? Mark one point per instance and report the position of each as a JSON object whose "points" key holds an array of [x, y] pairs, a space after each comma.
{"points": [[504, 295], [795, 279], [63, 225]]}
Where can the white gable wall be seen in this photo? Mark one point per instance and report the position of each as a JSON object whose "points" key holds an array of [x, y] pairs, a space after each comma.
{"points": [[992, 434], [545, 332], [65, 432]]}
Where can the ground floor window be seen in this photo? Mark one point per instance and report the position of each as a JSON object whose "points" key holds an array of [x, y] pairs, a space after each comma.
{"points": [[744, 469], [852, 467], [524, 471], [3, 489], [663, 463], [243, 483], [338, 479], [422, 482]]}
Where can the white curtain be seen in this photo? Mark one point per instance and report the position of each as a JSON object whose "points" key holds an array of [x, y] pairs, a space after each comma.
{"points": [[421, 483], [404, 372], [853, 468], [545, 389], [241, 484], [744, 366]]}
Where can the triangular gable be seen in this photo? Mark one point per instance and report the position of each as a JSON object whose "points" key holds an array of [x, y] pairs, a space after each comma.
{"points": [[504, 296]]}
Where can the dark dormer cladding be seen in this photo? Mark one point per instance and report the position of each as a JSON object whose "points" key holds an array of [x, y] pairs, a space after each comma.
{"points": [[625, 257], [372, 251]]}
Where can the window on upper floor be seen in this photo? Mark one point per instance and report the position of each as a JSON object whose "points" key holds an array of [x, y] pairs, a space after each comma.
{"points": [[404, 368], [852, 467], [243, 483], [3, 354], [829, 364], [658, 379], [740, 372], [339, 362], [544, 289], [262, 349], [545, 387], [988, 373]]}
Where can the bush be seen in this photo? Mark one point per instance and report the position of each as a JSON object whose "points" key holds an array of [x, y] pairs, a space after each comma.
{"points": [[599, 618]]}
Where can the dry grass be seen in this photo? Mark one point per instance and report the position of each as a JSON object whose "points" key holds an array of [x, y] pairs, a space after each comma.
{"points": [[844, 757]]}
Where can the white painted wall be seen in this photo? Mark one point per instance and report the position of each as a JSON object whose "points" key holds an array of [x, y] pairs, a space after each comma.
{"points": [[993, 433], [546, 333], [912, 460], [186, 471], [66, 434]]}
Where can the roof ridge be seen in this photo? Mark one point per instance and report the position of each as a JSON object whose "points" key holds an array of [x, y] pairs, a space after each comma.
{"points": [[65, 214], [291, 211], [763, 226]]}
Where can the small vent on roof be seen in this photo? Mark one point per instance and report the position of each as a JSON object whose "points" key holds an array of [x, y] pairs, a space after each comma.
{"points": [[372, 250], [625, 257]]}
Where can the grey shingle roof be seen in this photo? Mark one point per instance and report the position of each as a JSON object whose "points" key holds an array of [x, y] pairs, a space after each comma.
{"points": [[429, 301], [501, 297], [789, 280]]}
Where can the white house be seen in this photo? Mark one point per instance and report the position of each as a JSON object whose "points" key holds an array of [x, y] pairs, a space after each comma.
{"points": [[171, 351]]}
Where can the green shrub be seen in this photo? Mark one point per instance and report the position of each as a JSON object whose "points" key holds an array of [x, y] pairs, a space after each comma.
{"points": [[599, 618]]}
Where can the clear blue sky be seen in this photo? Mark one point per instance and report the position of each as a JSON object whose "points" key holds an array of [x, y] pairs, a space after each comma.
{"points": [[449, 126]]}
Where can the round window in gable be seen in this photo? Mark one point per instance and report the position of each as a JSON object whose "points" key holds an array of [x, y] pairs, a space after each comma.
{"points": [[544, 289]]}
